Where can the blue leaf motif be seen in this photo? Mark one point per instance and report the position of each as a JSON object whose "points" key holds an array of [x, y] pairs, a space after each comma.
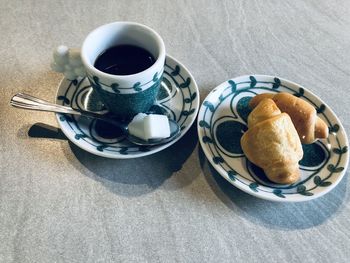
{"points": [[101, 147], [114, 87], [193, 96], [204, 124], [301, 189], [317, 180], [123, 150], [344, 149], [232, 175], [233, 85], [243, 108], [278, 192], [185, 84], [300, 93], [252, 81], [207, 139], [187, 113], [218, 159], [137, 87], [277, 83], [79, 136], [176, 71], [325, 183], [334, 169], [209, 105], [321, 109], [337, 151], [335, 128], [95, 83], [64, 99], [254, 186]]}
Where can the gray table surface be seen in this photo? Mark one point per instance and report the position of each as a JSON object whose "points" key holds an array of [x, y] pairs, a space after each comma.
{"points": [[61, 204]]}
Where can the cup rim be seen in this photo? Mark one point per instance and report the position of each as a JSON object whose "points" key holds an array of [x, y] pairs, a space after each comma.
{"points": [[155, 65]]}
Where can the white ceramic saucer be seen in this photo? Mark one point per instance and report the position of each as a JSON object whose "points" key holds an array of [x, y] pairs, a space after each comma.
{"points": [[222, 121], [178, 98]]}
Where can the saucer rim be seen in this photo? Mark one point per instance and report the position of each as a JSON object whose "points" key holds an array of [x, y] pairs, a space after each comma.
{"points": [[140, 154]]}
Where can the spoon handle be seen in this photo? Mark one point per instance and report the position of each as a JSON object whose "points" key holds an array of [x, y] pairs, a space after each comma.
{"points": [[26, 101]]}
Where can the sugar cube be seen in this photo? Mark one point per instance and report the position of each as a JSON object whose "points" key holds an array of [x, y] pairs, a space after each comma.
{"points": [[136, 127], [152, 126]]}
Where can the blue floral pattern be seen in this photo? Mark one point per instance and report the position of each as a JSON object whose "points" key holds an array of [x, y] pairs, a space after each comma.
{"points": [[222, 121], [177, 98]]}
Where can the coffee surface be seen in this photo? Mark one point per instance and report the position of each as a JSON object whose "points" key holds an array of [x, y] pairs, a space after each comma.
{"points": [[124, 60]]}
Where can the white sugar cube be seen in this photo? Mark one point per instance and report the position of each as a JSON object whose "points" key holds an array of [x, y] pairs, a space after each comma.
{"points": [[156, 126], [152, 126], [136, 126]]}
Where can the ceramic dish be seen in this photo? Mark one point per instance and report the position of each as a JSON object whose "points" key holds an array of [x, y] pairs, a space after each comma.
{"points": [[178, 98], [222, 121]]}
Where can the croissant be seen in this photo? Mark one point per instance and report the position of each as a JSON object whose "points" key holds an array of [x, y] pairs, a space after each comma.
{"points": [[272, 143], [304, 117]]}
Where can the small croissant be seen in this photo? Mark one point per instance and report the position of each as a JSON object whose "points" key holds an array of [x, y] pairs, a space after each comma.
{"points": [[304, 117], [272, 143]]}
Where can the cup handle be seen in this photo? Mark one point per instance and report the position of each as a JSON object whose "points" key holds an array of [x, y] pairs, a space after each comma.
{"points": [[68, 61]]}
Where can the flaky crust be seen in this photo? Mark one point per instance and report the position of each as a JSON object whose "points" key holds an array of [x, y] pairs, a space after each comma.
{"points": [[273, 144], [265, 110], [304, 117]]}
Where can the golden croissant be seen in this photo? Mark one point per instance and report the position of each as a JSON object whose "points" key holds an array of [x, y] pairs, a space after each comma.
{"points": [[272, 143], [304, 117]]}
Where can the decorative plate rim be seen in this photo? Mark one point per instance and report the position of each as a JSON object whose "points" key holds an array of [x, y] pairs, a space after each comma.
{"points": [[140, 154], [245, 188]]}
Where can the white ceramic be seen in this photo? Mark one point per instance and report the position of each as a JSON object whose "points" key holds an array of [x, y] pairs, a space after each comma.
{"points": [[178, 98], [124, 95], [121, 33], [222, 120]]}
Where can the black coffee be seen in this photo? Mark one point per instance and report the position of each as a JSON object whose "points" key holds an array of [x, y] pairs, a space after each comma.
{"points": [[124, 60]]}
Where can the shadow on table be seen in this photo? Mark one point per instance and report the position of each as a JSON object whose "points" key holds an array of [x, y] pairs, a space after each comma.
{"points": [[42, 130], [277, 215], [128, 177]]}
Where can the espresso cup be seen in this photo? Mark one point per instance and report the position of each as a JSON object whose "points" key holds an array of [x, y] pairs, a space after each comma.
{"points": [[123, 95]]}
